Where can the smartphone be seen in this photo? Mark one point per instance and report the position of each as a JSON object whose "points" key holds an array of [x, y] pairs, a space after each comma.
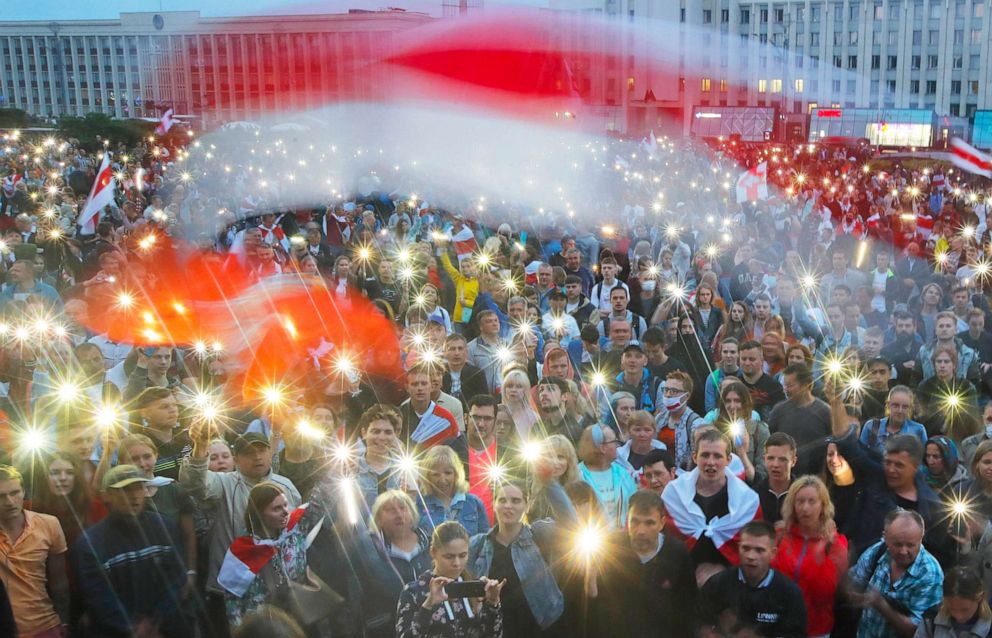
{"points": [[466, 589], [959, 526]]}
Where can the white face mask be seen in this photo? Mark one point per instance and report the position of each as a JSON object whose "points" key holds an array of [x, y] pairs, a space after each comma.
{"points": [[648, 285], [988, 431], [674, 403]]}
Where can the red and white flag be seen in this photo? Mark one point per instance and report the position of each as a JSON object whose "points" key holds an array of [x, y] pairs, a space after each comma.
{"points": [[247, 556], [690, 523], [101, 194], [968, 158], [165, 124], [752, 185]]}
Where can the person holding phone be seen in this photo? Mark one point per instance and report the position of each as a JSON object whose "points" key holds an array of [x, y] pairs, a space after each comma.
{"points": [[442, 602]]}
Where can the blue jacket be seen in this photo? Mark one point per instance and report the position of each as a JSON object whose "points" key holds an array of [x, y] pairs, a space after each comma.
{"points": [[465, 508], [865, 524], [129, 568], [533, 551]]}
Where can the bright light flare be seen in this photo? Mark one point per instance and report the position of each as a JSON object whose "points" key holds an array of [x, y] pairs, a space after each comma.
{"points": [[589, 541], [68, 392], [531, 451], [496, 473], [34, 440], [108, 416], [309, 431], [125, 300]]}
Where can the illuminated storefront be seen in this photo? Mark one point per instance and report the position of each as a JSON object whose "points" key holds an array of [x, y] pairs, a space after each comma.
{"points": [[881, 127], [752, 123]]}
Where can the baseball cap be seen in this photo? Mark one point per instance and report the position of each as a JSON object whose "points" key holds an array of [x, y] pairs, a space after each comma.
{"points": [[633, 344], [245, 441], [121, 476], [25, 251]]}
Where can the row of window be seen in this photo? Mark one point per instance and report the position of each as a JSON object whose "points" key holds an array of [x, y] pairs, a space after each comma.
{"points": [[778, 14], [799, 85]]}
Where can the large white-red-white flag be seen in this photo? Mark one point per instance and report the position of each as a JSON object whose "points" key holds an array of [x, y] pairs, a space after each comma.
{"points": [[968, 158], [101, 194], [752, 185], [165, 124]]}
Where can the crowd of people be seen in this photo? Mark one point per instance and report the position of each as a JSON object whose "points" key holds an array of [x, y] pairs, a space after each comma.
{"points": [[694, 417]]}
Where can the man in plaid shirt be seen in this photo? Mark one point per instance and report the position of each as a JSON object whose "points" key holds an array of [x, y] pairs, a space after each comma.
{"points": [[900, 579]]}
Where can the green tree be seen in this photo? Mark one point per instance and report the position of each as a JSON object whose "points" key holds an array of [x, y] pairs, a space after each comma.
{"points": [[93, 128]]}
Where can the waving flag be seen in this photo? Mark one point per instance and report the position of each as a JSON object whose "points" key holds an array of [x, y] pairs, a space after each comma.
{"points": [[101, 194], [753, 184], [968, 158], [166, 123]]}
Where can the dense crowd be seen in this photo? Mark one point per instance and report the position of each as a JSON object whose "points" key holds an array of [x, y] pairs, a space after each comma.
{"points": [[692, 417]]}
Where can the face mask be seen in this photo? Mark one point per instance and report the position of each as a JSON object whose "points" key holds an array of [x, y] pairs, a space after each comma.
{"points": [[988, 431], [648, 285], [674, 403]]}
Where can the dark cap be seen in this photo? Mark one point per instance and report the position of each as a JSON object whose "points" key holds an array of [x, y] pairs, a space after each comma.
{"points": [[877, 360], [245, 441], [633, 344], [25, 251]]}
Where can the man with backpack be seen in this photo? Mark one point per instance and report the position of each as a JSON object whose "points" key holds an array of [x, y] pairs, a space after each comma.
{"points": [[619, 300], [899, 405]]}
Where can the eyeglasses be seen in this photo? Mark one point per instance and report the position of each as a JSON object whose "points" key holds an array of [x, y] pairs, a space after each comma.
{"points": [[673, 392], [613, 442]]}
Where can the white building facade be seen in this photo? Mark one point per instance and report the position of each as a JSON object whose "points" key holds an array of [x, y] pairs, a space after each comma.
{"points": [[217, 69]]}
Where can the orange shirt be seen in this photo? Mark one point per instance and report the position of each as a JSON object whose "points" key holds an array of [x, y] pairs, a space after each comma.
{"points": [[480, 482], [23, 570]]}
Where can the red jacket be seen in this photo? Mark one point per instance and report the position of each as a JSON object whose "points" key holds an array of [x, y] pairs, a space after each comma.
{"points": [[816, 566]]}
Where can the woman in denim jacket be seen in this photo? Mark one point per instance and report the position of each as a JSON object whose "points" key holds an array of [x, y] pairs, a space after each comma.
{"points": [[522, 554], [445, 495]]}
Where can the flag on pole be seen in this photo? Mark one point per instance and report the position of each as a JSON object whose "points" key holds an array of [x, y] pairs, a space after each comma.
{"points": [[752, 185], [166, 123], [968, 158], [101, 194]]}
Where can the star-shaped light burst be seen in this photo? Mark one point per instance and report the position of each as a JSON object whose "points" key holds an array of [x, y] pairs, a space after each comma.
{"points": [[108, 415], [531, 451]]}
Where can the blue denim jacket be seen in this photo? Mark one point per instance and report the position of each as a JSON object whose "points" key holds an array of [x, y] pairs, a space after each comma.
{"points": [[533, 550], [466, 509], [368, 483]]}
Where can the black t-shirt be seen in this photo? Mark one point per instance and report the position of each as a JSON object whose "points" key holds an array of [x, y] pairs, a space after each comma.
{"points": [[636, 460], [517, 617], [705, 551], [766, 393], [905, 503], [776, 609], [671, 365]]}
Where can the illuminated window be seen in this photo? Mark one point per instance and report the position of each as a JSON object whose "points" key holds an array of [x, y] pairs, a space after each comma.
{"points": [[762, 86], [705, 84], [630, 83], [724, 85], [776, 86], [799, 85], [812, 105]]}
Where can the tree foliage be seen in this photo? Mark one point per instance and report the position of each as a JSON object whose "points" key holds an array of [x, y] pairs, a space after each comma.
{"points": [[93, 128]]}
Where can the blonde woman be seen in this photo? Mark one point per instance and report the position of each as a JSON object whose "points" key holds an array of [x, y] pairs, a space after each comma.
{"points": [[558, 463], [516, 397], [811, 551], [445, 496], [390, 554]]}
